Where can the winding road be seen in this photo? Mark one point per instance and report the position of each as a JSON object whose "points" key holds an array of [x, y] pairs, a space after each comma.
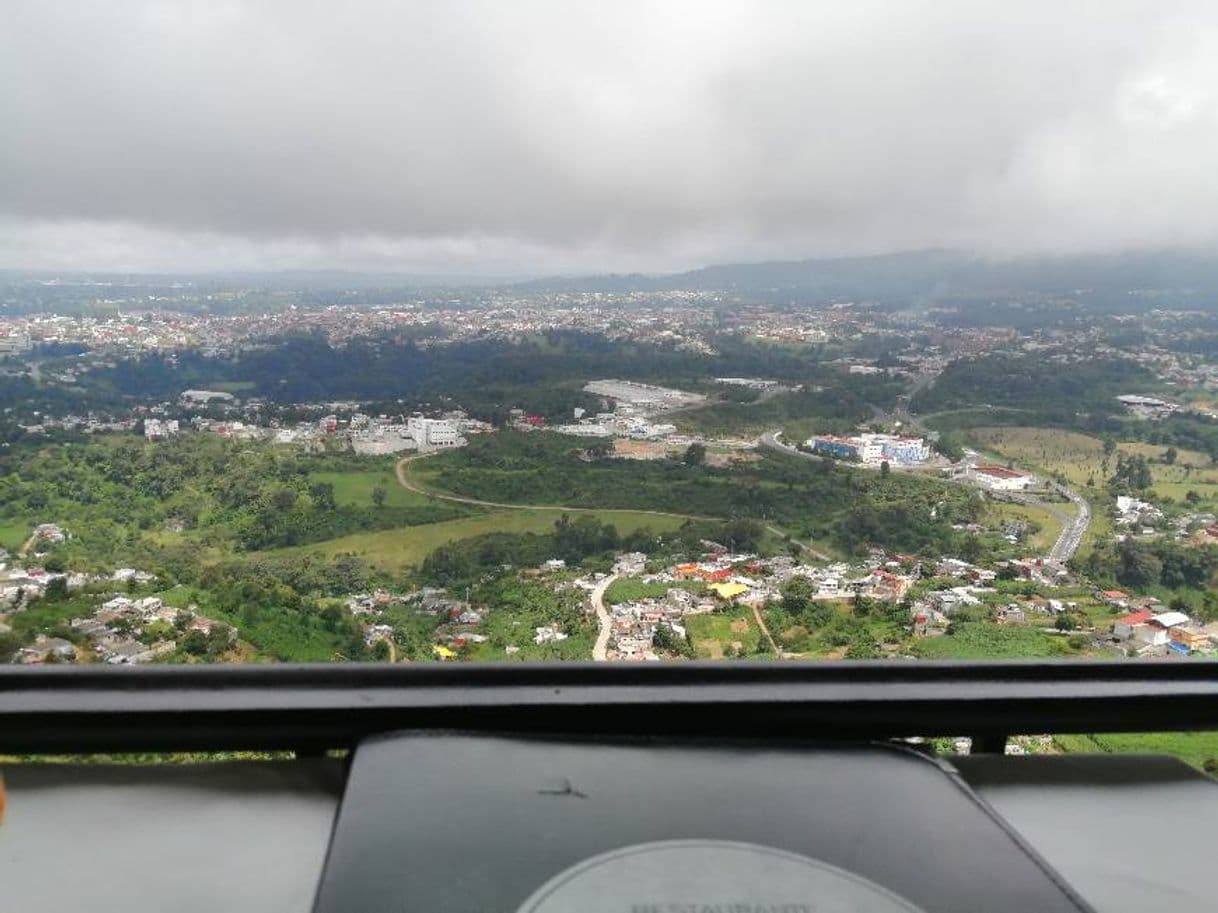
{"points": [[405, 481], [601, 647]]}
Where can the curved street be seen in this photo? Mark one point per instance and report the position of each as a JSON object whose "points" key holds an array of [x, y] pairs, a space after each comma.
{"points": [[405, 482]]}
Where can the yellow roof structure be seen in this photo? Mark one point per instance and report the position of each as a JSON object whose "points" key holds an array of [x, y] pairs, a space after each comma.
{"points": [[728, 590], [443, 652]]}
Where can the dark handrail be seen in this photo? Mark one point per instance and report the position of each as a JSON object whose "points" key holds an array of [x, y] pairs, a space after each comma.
{"points": [[310, 707]]}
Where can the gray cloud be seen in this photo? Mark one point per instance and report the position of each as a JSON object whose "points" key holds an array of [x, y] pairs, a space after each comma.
{"points": [[564, 135]]}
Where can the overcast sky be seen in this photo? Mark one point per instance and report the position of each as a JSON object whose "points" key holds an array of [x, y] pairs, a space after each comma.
{"points": [[521, 137]]}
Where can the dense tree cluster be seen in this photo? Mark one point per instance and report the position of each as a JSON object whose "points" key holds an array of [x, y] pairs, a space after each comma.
{"points": [[853, 507], [1046, 390], [256, 496], [1131, 475], [1139, 565]]}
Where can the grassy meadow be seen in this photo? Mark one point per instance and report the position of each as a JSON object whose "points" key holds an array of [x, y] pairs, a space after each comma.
{"points": [[1080, 459], [394, 550]]}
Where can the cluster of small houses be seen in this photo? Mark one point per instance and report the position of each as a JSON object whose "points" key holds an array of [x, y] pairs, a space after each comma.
{"points": [[459, 620], [458, 628], [749, 580], [744, 579], [19, 586], [1141, 518], [1148, 630], [113, 631], [367, 435]]}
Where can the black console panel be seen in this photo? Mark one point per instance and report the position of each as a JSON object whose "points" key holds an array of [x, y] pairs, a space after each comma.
{"points": [[442, 821]]}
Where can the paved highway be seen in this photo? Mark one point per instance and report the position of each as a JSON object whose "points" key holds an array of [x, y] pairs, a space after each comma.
{"points": [[1072, 533]]}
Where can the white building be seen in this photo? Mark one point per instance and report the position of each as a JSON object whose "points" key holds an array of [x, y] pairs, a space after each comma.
{"points": [[14, 343], [581, 429], [434, 433], [203, 397], [873, 449], [1147, 406], [753, 383], [870, 449], [999, 478], [905, 450], [158, 430]]}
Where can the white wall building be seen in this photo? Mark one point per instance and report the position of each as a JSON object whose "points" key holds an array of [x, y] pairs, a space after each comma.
{"points": [[434, 433], [158, 430], [999, 478], [203, 397]]}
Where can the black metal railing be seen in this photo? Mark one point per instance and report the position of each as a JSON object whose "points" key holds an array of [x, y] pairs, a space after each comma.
{"points": [[82, 709]]}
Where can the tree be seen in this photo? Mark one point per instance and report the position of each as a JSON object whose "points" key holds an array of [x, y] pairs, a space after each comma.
{"points": [[695, 455], [378, 496], [971, 548], [57, 589], [1139, 566], [949, 446], [1169, 456], [10, 643], [1132, 473], [797, 596], [194, 642], [885, 469], [1109, 446], [742, 535], [322, 494], [899, 612], [862, 606]]}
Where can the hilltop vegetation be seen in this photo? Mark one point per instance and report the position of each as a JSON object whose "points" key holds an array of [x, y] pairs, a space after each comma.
{"points": [[542, 373], [850, 507], [837, 409], [126, 500], [1078, 394]]}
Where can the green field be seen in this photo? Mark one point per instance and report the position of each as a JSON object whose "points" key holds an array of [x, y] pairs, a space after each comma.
{"points": [[233, 386], [963, 419], [983, 640], [711, 635], [629, 589], [355, 487], [1196, 748], [397, 549], [1047, 517], [13, 535], [1080, 459]]}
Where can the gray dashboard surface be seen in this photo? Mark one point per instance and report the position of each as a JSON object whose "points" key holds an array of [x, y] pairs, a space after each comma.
{"points": [[232, 837], [1127, 833], [1130, 833], [438, 821]]}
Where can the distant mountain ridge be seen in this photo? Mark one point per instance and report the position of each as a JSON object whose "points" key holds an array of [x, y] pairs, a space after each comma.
{"points": [[924, 276]]}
